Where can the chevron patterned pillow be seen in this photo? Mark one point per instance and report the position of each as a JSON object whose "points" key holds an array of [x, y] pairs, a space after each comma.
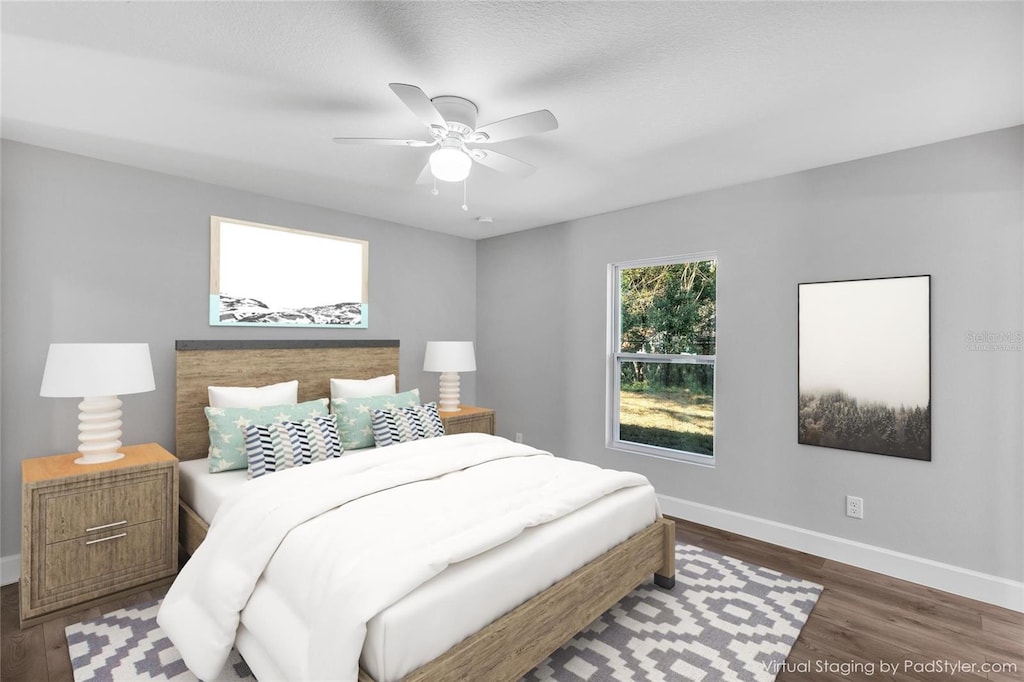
{"points": [[284, 445], [406, 423]]}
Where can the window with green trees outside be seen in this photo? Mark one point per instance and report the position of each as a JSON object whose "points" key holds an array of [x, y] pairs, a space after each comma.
{"points": [[662, 362]]}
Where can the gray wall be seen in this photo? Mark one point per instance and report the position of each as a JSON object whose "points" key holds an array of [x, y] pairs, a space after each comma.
{"points": [[950, 210], [94, 251]]}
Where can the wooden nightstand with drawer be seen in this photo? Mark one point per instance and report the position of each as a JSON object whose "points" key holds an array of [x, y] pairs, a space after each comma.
{"points": [[90, 531], [469, 419]]}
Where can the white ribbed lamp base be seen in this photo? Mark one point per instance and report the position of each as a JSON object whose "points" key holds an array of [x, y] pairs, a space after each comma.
{"points": [[449, 395], [99, 429]]}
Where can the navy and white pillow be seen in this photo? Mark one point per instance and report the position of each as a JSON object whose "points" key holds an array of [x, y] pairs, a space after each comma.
{"points": [[403, 424], [289, 444]]}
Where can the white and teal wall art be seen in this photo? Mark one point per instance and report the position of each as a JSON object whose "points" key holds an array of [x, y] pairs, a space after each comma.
{"points": [[267, 276]]}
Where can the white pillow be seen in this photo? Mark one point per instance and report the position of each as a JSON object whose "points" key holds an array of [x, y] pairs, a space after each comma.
{"points": [[363, 388], [285, 393]]}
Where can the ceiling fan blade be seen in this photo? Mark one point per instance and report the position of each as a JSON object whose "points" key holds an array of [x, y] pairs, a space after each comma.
{"points": [[380, 141], [426, 177], [502, 163], [419, 104], [517, 126]]}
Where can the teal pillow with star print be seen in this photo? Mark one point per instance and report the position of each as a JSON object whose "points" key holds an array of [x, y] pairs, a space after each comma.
{"points": [[354, 415], [227, 428]]}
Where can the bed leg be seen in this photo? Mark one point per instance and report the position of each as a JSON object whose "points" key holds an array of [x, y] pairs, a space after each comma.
{"points": [[666, 577]]}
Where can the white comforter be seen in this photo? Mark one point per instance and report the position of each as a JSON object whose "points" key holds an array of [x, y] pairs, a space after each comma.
{"points": [[468, 493]]}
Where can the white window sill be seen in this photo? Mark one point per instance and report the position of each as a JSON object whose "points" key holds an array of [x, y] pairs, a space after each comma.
{"points": [[707, 461]]}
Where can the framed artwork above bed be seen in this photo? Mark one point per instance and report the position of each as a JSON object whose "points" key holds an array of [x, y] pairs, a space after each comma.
{"points": [[267, 276]]}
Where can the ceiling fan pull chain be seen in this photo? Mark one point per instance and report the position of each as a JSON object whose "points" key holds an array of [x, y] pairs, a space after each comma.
{"points": [[435, 191], [465, 206]]}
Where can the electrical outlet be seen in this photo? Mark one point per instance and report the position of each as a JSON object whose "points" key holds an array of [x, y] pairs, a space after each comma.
{"points": [[855, 507], [519, 437]]}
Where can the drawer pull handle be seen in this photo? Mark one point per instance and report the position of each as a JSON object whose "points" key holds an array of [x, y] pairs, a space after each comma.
{"points": [[112, 537], [109, 525]]}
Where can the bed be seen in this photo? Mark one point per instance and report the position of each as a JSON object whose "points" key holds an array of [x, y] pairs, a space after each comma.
{"points": [[493, 634]]}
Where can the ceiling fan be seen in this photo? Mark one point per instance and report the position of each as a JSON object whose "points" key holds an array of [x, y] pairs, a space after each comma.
{"points": [[451, 122]]}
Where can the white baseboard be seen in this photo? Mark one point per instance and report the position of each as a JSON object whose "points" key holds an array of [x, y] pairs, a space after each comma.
{"points": [[946, 577], [10, 569]]}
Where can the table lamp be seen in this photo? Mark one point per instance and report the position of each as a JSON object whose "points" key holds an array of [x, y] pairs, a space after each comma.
{"points": [[449, 358], [97, 373]]}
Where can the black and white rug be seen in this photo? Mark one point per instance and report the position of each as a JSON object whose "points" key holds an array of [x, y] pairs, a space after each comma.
{"points": [[724, 620]]}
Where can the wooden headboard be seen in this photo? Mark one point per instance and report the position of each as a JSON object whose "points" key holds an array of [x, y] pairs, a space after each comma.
{"points": [[201, 364]]}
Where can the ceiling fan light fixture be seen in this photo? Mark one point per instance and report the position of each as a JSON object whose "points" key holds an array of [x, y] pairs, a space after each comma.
{"points": [[450, 164], [451, 121]]}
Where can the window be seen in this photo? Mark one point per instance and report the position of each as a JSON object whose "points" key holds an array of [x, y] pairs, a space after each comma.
{"points": [[662, 359]]}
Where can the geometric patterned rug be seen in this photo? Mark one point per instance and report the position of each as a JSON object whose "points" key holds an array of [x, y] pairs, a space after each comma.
{"points": [[127, 645], [725, 620]]}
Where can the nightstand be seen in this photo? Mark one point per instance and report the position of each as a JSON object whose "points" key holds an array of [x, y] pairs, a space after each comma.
{"points": [[90, 531], [469, 419]]}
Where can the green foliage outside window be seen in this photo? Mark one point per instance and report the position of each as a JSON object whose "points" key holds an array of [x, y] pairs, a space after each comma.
{"points": [[668, 310]]}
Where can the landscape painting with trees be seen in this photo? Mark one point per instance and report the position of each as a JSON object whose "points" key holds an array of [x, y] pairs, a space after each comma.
{"points": [[666, 358], [865, 366]]}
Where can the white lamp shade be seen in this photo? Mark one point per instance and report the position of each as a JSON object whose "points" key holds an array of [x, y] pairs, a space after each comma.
{"points": [[449, 356], [77, 370], [450, 165]]}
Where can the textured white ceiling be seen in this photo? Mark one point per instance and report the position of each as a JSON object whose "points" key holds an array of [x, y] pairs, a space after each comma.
{"points": [[654, 99]]}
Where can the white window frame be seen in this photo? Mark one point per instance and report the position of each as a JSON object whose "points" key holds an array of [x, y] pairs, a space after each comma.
{"points": [[615, 357]]}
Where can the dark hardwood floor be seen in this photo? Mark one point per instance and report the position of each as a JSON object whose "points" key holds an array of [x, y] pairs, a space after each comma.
{"points": [[862, 622]]}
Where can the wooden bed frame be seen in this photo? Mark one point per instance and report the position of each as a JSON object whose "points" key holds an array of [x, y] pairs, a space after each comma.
{"points": [[509, 647]]}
